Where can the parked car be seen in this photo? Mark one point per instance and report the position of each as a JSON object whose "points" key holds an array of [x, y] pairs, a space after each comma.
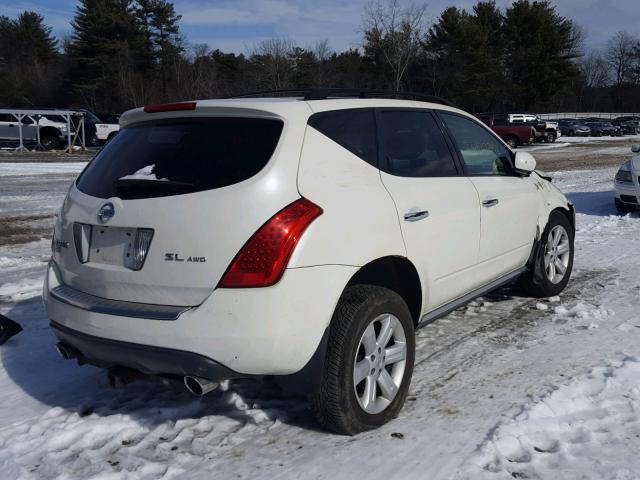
{"points": [[599, 129], [108, 126], [629, 127], [574, 128], [303, 237], [546, 130], [627, 184], [514, 135], [52, 133]]}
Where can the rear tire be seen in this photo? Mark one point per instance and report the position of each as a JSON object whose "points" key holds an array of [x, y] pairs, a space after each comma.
{"points": [[369, 361], [551, 269]]}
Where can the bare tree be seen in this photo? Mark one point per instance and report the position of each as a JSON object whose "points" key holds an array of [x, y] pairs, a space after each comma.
{"points": [[322, 52], [595, 69], [273, 57], [392, 32], [620, 56]]}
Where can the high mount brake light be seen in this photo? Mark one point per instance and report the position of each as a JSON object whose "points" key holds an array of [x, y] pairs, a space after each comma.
{"points": [[170, 107], [263, 259]]}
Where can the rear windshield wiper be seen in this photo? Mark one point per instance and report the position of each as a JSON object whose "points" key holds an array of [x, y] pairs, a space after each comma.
{"points": [[139, 187]]}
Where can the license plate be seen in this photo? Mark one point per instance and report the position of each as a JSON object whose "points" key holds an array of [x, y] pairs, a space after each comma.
{"points": [[112, 245]]}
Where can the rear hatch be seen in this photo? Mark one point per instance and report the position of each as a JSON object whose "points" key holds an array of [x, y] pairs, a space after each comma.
{"points": [[160, 213]]}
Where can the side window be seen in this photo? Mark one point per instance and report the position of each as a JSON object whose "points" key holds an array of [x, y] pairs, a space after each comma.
{"points": [[6, 117], [482, 153], [413, 145], [353, 129]]}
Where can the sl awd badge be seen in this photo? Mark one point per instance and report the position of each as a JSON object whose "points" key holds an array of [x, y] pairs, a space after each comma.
{"points": [[106, 212], [174, 257]]}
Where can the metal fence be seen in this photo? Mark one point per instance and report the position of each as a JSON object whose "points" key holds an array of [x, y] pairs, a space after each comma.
{"points": [[607, 115], [24, 126]]}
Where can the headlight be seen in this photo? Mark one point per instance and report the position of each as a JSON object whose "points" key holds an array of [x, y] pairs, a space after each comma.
{"points": [[624, 176]]}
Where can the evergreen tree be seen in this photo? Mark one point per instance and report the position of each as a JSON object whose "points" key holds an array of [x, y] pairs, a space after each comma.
{"points": [[159, 26], [467, 56], [540, 48], [28, 58], [106, 48]]}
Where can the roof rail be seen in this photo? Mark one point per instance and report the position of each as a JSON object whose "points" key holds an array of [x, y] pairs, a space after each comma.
{"points": [[327, 93]]}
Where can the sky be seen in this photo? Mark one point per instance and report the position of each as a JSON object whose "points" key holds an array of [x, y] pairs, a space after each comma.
{"points": [[237, 25]]}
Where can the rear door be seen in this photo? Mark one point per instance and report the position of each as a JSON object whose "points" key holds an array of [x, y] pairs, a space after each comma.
{"points": [[438, 207], [509, 201]]}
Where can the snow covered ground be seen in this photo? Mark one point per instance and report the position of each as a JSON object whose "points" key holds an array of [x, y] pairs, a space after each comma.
{"points": [[506, 387]]}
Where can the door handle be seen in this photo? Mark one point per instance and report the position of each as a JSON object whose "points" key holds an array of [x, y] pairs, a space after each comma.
{"points": [[414, 216], [490, 203]]}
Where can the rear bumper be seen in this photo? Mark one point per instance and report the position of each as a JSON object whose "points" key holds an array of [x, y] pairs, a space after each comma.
{"points": [[106, 353], [259, 331]]}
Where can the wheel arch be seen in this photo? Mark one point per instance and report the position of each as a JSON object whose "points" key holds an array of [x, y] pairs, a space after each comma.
{"points": [[397, 274], [569, 212], [48, 130]]}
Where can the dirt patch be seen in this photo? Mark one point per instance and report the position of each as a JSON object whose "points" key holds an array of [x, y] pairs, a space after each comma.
{"points": [[580, 156], [25, 228]]}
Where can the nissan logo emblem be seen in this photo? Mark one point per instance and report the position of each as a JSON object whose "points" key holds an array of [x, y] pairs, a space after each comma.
{"points": [[106, 212]]}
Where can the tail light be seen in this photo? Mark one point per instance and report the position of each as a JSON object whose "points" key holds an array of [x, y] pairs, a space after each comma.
{"points": [[262, 260], [141, 245], [82, 239]]}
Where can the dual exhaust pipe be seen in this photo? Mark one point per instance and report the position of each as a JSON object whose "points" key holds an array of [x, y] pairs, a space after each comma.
{"points": [[198, 386]]}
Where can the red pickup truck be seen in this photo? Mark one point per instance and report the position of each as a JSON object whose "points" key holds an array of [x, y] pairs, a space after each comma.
{"points": [[513, 134]]}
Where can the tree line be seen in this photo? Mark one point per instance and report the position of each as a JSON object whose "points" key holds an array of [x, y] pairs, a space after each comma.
{"points": [[127, 53]]}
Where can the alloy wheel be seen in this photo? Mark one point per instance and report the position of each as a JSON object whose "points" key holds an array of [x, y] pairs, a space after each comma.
{"points": [[380, 363], [557, 254]]}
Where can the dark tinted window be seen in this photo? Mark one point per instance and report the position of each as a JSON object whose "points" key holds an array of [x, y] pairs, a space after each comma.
{"points": [[482, 152], [180, 156], [6, 117], [413, 145], [354, 129]]}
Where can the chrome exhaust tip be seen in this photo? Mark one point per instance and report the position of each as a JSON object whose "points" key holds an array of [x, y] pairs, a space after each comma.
{"points": [[199, 386], [66, 351]]}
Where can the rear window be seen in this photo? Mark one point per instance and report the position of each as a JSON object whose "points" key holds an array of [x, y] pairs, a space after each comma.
{"points": [[172, 157], [353, 129]]}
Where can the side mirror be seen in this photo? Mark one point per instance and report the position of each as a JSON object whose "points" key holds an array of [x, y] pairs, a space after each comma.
{"points": [[635, 148], [525, 161]]}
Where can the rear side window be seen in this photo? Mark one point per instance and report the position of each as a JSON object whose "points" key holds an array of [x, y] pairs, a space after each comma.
{"points": [[413, 145], [353, 129], [172, 157]]}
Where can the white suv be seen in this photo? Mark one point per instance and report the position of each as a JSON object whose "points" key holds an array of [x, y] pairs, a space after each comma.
{"points": [[304, 238]]}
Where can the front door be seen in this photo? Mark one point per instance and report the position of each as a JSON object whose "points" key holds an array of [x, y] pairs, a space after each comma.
{"points": [[509, 201]]}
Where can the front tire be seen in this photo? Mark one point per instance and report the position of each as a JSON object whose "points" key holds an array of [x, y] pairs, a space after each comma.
{"points": [[550, 137], [551, 269], [623, 208], [49, 141], [369, 361]]}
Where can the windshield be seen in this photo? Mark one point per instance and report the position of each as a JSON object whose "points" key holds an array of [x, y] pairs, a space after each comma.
{"points": [[178, 156]]}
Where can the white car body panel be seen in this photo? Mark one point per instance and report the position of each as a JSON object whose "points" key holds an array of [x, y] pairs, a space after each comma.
{"points": [[451, 231], [631, 189], [104, 130], [276, 330], [357, 202], [254, 331]]}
